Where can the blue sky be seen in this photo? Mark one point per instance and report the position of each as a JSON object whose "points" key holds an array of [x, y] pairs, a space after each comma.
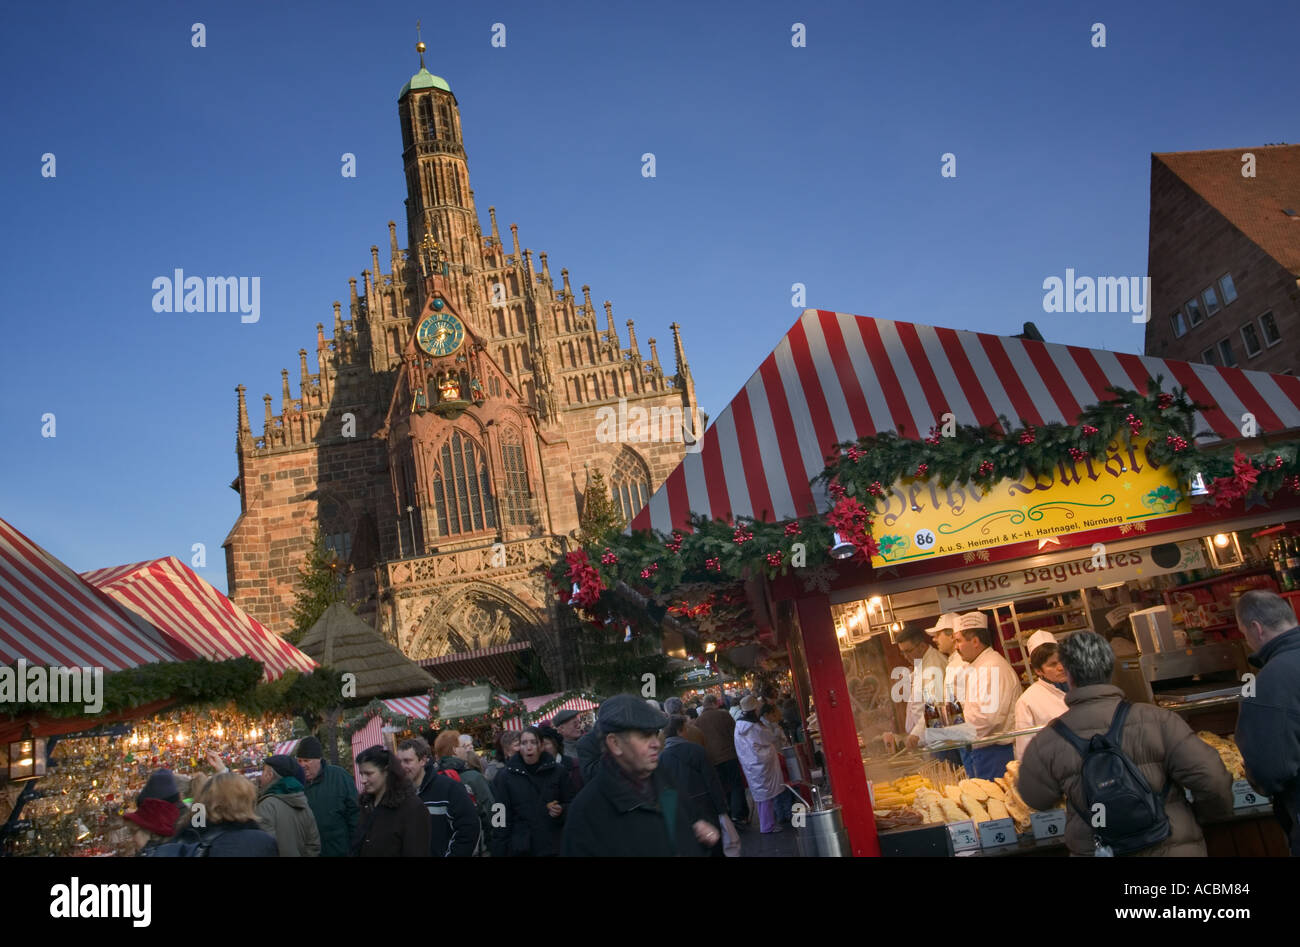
{"points": [[775, 165]]}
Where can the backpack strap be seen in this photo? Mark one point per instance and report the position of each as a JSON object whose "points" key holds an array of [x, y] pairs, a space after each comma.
{"points": [[1117, 723], [1069, 736]]}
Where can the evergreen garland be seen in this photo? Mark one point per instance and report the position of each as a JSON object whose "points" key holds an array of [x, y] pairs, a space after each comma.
{"points": [[719, 555], [201, 682]]}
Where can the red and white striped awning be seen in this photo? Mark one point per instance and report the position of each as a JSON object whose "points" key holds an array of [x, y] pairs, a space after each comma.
{"points": [[579, 704], [837, 377], [417, 707], [286, 748], [496, 663], [169, 594], [50, 616]]}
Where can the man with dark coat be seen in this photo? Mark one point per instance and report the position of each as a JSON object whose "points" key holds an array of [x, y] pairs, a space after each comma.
{"points": [[453, 820], [589, 753], [569, 725], [332, 794], [719, 729], [536, 793], [1268, 727], [633, 808], [689, 766]]}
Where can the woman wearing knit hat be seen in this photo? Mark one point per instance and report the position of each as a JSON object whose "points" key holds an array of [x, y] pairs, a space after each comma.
{"points": [[154, 821]]}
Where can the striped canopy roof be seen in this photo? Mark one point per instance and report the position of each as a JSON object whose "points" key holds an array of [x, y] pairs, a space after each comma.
{"points": [[169, 594], [50, 616], [837, 377], [417, 707]]}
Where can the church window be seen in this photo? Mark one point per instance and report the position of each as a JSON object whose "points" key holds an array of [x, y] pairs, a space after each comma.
{"points": [[334, 528], [426, 119], [630, 483], [517, 508], [462, 487]]}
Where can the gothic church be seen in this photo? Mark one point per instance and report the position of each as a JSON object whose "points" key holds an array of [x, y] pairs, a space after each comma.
{"points": [[447, 439]]}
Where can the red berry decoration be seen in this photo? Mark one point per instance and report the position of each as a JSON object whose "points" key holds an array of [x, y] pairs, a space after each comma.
{"points": [[921, 469], [985, 468], [773, 558], [1089, 430], [1277, 462], [876, 489], [608, 558], [647, 573], [854, 454], [1294, 484], [713, 565], [1077, 454], [792, 529], [1164, 401], [1028, 436], [934, 436], [741, 536], [1134, 423], [674, 545], [1177, 442], [837, 491]]}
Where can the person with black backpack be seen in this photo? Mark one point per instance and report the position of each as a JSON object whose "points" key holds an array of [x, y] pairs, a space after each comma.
{"points": [[1122, 767]]}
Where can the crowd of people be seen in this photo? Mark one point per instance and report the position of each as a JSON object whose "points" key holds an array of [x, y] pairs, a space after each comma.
{"points": [[646, 779]]}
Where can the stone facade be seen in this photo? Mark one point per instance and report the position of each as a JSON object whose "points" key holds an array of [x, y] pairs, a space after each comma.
{"points": [[1198, 238], [447, 510]]}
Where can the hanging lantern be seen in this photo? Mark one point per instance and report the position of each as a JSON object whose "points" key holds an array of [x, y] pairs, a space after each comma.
{"points": [[841, 549], [27, 758]]}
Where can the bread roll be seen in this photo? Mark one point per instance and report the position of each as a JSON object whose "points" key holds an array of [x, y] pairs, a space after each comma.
{"points": [[998, 809], [972, 788], [973, 807]]}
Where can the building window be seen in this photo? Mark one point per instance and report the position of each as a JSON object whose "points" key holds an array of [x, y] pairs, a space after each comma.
{"points": [[1209, 357], [426, 119], [1225, 350], [1211, 299], [1226, 287], [1271, 336], [630, 484], [340, 544], [1179, 322], [1250, 339], [1193, 308], [462, 488], [516, 506]]}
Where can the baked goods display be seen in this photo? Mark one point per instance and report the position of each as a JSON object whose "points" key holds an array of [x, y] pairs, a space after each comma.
{"points": [[914, 800], [1226, 747]]}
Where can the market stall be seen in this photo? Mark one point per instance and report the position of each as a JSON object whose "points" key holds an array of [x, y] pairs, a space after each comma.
{"points": [[173, 598], [847, 466]]}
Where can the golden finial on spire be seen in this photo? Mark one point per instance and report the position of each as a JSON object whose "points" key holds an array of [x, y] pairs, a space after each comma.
{"points": [[419, 47]]}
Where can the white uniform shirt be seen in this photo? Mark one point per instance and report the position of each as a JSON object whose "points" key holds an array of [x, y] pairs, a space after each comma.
{"points": [[991, 688], [1038, 706]]}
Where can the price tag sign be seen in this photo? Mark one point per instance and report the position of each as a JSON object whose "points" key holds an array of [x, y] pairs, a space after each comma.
{"points": [[997, 832], [1049, 824], [1245, 797], [963, 836]]}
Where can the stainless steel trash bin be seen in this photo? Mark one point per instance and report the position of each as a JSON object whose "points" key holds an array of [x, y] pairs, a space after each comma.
{"points": [[823, 835]]}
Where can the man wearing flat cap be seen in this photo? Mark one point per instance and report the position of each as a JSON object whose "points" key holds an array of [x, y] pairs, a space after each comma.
{"points": [[332, 794], [632, 808], [568, 723], [283, 811]]}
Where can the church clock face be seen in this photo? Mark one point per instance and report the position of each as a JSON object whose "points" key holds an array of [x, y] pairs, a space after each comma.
{"points": [[440, 334]]}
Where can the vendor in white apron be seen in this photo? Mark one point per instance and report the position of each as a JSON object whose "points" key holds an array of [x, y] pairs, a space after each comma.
{"points": [[991, 688], [1044, 700]]}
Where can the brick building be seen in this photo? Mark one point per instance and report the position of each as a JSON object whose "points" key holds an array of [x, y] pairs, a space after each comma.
{"points": [[1224, 257], [445, 442]]}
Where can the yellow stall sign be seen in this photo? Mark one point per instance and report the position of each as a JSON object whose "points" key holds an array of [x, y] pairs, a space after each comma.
{"points": [[922, 520]]}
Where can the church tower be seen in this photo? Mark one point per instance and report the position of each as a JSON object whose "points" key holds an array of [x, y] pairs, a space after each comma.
{"points": [[439, 200]]}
